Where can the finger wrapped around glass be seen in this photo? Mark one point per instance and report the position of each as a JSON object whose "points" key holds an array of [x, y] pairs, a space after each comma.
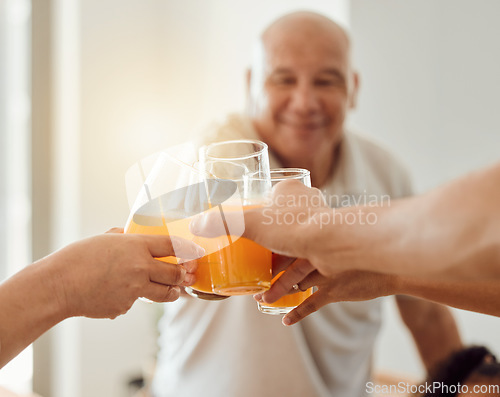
{"points": [[172, 193], [180, 185], [287, 302]]}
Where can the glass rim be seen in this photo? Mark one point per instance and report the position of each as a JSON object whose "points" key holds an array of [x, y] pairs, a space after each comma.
{"points": [[297, 173], [247, 156]]}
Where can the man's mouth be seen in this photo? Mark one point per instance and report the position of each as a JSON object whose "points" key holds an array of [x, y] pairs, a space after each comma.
{"points": [[304, 128]]}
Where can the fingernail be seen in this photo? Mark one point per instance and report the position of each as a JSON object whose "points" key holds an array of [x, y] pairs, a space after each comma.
{"points": [[195, 225], [258, 297], [176, 244], [190, 266], [286, 321], [200, 251], [189, 279]]}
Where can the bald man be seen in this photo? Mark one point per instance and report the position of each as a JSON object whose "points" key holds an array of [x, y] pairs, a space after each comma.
{"points": [[301, 87]]}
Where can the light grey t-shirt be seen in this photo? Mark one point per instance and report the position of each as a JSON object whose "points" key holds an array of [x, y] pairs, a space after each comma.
{"points": [[229, 349]]}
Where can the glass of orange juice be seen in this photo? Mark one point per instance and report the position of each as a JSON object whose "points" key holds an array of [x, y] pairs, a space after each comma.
{"points": [[173, 192], [243, 267], [287, 302]]}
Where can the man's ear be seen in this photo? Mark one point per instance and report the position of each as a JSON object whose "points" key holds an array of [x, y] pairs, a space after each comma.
{"points": [[353, 100]]}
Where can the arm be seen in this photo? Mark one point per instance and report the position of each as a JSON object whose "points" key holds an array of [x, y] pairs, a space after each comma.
{"points": [[433, 329], [451, 233], [454, 227], [443, 246], [97, 277], [357, 285]]}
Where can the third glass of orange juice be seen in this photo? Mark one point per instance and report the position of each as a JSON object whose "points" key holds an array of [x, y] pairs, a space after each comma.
{"points": [[288, 302]]}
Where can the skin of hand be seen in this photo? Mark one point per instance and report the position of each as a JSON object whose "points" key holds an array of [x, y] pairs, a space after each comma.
{"points": [[357, 285], [104, 276], [99, 277], [415, 242], [350, 285], [433, 343], [453, 227]]}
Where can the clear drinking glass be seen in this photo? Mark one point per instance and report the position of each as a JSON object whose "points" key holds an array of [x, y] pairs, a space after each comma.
{"points": [[288, 302], [241, 267], [172, 193]]}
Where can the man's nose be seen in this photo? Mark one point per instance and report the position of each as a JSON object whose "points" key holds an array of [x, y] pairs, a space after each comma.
{"points": [[304, 99]]}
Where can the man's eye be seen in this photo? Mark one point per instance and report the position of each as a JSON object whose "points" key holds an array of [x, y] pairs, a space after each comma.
{"points": [[327, 82], [283, 81]]}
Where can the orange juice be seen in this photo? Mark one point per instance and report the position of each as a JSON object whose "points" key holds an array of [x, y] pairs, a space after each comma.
{"points": [[245, 267], [286, 303], [180, 228], [203, 277], [234, 266]]}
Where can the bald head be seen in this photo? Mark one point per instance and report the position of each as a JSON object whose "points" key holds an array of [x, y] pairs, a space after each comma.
{"points": [[301, 86], [298, 31], [306, 24]]}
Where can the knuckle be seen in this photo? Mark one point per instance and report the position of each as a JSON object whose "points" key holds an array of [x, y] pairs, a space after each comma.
{"points": [[174, 293], [138, 271], [309, 306], [115, 230], [170, 294]]}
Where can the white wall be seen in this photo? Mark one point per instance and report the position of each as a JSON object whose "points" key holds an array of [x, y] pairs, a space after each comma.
{"points": [[125, 114], [430, 84]]}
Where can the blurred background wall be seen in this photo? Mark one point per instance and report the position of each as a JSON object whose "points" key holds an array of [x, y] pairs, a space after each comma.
{"points": [[429, 91], [121, 79]]}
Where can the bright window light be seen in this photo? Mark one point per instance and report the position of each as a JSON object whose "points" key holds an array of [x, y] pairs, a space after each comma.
{"points": [[15, 165]]}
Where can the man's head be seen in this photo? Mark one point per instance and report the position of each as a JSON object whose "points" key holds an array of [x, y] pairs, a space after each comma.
{"points": [[474, 368], [301, 86]]}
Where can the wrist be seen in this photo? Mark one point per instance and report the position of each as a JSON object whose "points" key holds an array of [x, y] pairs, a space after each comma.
{"points": [[332, 243], [55, 285], [315, 236]]}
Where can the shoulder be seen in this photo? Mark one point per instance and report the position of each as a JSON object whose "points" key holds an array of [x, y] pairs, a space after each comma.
{"points": [[382, 164]]}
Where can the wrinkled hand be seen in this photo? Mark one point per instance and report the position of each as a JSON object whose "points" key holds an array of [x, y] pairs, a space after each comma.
{"points": [[102, 276], [350, 285]]}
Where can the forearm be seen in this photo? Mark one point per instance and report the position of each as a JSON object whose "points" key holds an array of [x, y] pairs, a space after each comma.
{"points": [[452, 231], [28, 308], [475, 295], [433, 328]]}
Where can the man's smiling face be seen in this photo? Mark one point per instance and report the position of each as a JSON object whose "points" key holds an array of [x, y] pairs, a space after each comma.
{"points": [[300, 98]]}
